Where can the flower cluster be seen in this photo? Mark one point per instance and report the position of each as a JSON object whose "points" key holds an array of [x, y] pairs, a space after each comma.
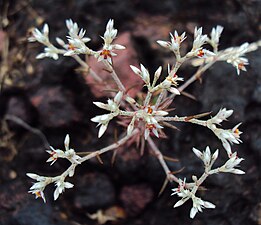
{"points": [[186, 194], [188, 191], [107, 51], [38, 188], [77, 42], [113, 107], [145, 115], [175, 42], [228, 136], [43, 37]]}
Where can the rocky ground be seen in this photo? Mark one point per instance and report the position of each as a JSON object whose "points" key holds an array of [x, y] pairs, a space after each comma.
{"points": [[54, 97]]}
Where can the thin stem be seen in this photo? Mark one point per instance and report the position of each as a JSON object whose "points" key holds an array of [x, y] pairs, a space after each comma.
{"points": [[186, 119], [115, 76], [110, 147], [195, 77], [160, 98], [199, 182], [163, 163], [87, 67], [147, 99], [25, 125]]}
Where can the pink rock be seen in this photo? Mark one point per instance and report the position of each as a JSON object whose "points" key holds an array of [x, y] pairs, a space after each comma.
{"points": [[136, 197], [121, 63]]}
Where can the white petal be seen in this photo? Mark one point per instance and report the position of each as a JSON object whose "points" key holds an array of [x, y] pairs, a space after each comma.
{"points": [[102, 129], [32, 175], [56, 193], [46, 29], [60, 41], [237, 171], [164, 44], [101, 105], [197, 152], [68, 185], [67, 142], [209, 205], [118, 47], [215, 155], [118, 97], [135, 70], [180, 202], [193, 212]]}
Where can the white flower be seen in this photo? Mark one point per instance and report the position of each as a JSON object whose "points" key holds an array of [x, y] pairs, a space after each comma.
{"points": [[182, 192], [151, 126], [149, 115], [222, 115], [176, 40], [230, 165], [50, 51], [75, 32], [234, 57], [54, 155], [206, 156], [42, 37], [38, 187], [215, 35], [239, 64], [76, 39], [198, 205], [69, 153], [60, 187], [143, 73], [110, 33], [112, 105], [199, 39], [186, 194], [107, 51], [228, 137], [168, 82], [103, 121]]}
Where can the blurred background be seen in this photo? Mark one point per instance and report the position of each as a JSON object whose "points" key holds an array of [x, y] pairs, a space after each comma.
{"points": [[54, 97]]}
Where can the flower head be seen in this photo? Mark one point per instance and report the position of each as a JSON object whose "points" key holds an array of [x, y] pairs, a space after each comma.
{"points": [[60, 187], [215, 35], [107, 53], [198, 205], [222, 115], [206, 156], [186, 194], [234, 57], [42, 37], [199, 39], [230, 165], [175, 43], [37, 188]]}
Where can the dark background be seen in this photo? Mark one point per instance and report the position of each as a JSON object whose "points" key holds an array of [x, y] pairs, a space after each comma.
{"points": [[53, 97]]}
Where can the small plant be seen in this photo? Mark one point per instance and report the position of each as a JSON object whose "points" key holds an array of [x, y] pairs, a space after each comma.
{"points": [[144, 120]]}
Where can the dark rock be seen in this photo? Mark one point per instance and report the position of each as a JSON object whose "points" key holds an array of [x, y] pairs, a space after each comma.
{"points": [[128, 162], [135, 198], [94, 191], [19, 107], [17, 209], [55, 107]]}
